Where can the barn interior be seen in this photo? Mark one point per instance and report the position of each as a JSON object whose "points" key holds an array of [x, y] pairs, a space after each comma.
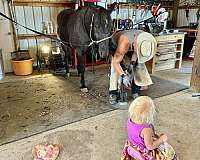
{"points": [[41, 104]]}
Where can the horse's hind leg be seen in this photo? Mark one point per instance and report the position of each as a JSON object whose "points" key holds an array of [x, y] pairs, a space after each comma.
{"points": [[81, 70], [66, 58]]}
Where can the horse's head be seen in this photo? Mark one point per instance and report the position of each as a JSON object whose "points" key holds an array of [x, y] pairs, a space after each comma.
{"points": [[101, 26]]}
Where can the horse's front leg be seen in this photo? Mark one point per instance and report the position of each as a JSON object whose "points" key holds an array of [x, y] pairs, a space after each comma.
{"points": [[81, 70]]}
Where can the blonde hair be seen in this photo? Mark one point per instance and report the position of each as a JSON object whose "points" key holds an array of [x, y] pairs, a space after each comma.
{"points": [[142, 110]]}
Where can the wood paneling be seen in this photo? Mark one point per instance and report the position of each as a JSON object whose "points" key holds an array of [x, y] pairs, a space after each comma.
{"points": [[175, 12], [44, 3]]}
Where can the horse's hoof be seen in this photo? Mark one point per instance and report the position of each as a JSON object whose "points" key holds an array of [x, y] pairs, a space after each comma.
{"points": [[84, 90]]}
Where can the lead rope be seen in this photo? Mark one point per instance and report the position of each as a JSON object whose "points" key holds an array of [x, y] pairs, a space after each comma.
{"points": [[92, 41], [98, 41]]}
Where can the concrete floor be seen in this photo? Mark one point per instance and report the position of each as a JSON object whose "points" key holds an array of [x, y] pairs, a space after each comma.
{"points": [[182, 75], [102, 136]]}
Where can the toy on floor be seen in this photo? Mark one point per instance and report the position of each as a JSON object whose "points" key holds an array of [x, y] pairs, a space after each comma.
{"points": [[45, 152], [166, 151]]}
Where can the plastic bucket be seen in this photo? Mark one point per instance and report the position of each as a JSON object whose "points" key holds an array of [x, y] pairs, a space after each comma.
{"points": [[22, 67]]}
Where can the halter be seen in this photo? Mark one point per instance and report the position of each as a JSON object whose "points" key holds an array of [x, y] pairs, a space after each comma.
{"points": [[97, 41]]}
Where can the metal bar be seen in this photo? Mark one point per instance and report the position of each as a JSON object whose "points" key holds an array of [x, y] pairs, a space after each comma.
{"points": [[42, 13], [11, 12], [25, 24], [17, 29], [35, 29], [195, 94]]}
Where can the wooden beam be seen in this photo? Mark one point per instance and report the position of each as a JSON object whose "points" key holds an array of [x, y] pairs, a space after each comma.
{"points": [[189, 7], [43, 3], [175, 13], [195, 79], [34, 36]]}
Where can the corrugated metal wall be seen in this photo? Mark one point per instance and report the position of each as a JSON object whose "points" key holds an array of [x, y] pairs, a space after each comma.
{"points": [[181, 17], [183, 21], [33, 17]]}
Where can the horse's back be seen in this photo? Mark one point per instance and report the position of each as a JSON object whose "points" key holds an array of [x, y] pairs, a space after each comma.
{"points": [[63, 21], [71, 27], [64, 15]]}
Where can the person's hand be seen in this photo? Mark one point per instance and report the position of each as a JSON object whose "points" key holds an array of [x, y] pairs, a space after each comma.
{"points": [[124, 79], [164, 138]]}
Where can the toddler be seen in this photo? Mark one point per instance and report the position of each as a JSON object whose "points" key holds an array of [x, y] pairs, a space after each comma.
{"points": [[143, 143]]}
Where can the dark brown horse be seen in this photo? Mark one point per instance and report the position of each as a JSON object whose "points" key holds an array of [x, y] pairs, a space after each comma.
{"points": [[82, 28]]}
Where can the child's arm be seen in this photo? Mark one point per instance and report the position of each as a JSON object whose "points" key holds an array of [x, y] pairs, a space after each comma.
{"points": [[150, 142], [155, 136]]}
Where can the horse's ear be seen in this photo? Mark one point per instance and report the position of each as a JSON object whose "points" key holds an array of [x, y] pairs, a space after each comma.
{"points": [[112, 7]]}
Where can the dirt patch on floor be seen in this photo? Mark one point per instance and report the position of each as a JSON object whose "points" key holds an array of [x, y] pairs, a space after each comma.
{"points": [[37, 104]]}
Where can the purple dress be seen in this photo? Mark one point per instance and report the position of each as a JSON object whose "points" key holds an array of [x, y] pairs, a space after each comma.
{"points": [[134, 131]]}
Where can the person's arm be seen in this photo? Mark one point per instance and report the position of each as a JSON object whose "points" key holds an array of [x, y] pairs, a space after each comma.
{"points": [[150, 142], [122, 49], [118, 57], [155, 136]]}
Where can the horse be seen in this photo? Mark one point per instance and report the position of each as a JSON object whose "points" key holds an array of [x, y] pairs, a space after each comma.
{"points": [[80, 29]]}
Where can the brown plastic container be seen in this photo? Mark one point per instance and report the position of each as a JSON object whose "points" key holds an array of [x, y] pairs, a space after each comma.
{"points": [[22, 67]]}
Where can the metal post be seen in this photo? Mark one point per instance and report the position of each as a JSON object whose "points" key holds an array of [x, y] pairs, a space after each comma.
{"points": [[1, 65]]}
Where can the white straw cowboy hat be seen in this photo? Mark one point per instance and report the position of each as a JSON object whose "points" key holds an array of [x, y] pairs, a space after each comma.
{"points": [[146, 46]]}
